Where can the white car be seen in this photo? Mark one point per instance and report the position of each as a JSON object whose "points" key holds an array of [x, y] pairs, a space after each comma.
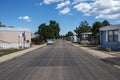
{"points": [[49, 42]]}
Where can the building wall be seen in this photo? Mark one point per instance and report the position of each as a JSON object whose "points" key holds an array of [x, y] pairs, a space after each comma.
{"points": [[73, 38], [112, 45], [12, 36], [103, 37], [85, 38], [14, 39], [105, 44], [119, 35]]}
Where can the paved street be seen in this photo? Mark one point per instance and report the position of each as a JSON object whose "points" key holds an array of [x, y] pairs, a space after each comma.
{"points": [[60, 61]]}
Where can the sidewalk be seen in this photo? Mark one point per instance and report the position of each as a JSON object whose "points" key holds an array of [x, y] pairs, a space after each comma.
{"points": [[101, 55], [19, 53]]}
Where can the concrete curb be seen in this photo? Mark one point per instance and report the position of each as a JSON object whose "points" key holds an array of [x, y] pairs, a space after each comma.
{"points": [[19, 53]]}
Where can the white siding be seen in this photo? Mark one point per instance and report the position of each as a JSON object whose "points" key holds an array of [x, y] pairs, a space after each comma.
{"points": [[119, 35], [13, 45], [110, 27], [106, 36], [75, 38]]}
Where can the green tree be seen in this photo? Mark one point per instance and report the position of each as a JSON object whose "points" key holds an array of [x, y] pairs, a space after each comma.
{"points": [[56, 29], [42, 31], [62, 37], [83, 27], [50, 31], [2, 25], [45, 32], [95, 30], [105, 23], [69, 34]]}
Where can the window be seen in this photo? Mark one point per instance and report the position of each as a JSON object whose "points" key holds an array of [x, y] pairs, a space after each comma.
{"points": [[85, 36], [110, 35], [113, 35]]}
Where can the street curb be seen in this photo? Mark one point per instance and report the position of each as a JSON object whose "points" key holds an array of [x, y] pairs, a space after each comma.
{"points": [[102, 56], [19, 53]]}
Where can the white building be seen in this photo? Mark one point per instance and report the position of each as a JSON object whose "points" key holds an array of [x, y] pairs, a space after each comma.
{"points": [[14, 37], [74, 38], [85, 37]]}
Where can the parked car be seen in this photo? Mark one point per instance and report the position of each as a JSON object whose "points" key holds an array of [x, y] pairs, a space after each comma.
{"points": [[50, 42]]}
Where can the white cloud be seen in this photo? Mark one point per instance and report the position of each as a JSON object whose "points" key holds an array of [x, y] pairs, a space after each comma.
{"points": [[81, 1], [51, 1], [20, 17], [62, 4], [108, 16], [77, 1], [65, 10], [25, 18], [83, 7], [108, 9], [38, 4]]}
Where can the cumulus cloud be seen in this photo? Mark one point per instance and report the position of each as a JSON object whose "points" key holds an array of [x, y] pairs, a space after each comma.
{"points": [[83, 7], [25, 18], [77, 1], [51, 1], [108, 9], [62, 4], [65, 10], [108, 16]]}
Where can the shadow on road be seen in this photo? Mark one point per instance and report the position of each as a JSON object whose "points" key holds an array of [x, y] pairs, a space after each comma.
{"points": [[112, 60]]}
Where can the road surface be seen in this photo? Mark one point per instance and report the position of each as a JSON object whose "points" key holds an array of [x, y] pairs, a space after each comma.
{"points": [[60, 61]]}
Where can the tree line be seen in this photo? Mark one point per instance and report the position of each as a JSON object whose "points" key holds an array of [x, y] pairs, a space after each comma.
{"points": [[85, 27], [50, 31], [3, 25]]}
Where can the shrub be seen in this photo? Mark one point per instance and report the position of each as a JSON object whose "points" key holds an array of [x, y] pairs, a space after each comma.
{"points": [[108, 49]]}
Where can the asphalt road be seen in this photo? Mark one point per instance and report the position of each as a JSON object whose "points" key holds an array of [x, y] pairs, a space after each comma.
{"points": [[60, 61]]}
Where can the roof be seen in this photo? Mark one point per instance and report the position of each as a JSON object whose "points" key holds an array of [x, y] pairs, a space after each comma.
{"points": [[110, 27], [87, 33], [14, 29]]}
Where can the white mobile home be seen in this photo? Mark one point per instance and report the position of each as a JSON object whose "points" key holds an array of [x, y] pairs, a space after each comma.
{"points": [[85, 38], [74, 38], [14, 37]]}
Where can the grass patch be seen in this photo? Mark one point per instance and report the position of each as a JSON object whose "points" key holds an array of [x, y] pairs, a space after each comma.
{"points": [[76, 42], [108, 49], [8, 51]]}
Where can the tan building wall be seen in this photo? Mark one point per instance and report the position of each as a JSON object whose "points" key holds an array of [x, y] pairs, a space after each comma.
{"points": [[12, 37]]}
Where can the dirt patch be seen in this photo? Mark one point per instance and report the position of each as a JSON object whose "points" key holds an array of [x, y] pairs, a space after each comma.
{"points": [[94, 47]]}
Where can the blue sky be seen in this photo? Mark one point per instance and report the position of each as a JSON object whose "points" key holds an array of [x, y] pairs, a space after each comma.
{"points": [[68, 13]]}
